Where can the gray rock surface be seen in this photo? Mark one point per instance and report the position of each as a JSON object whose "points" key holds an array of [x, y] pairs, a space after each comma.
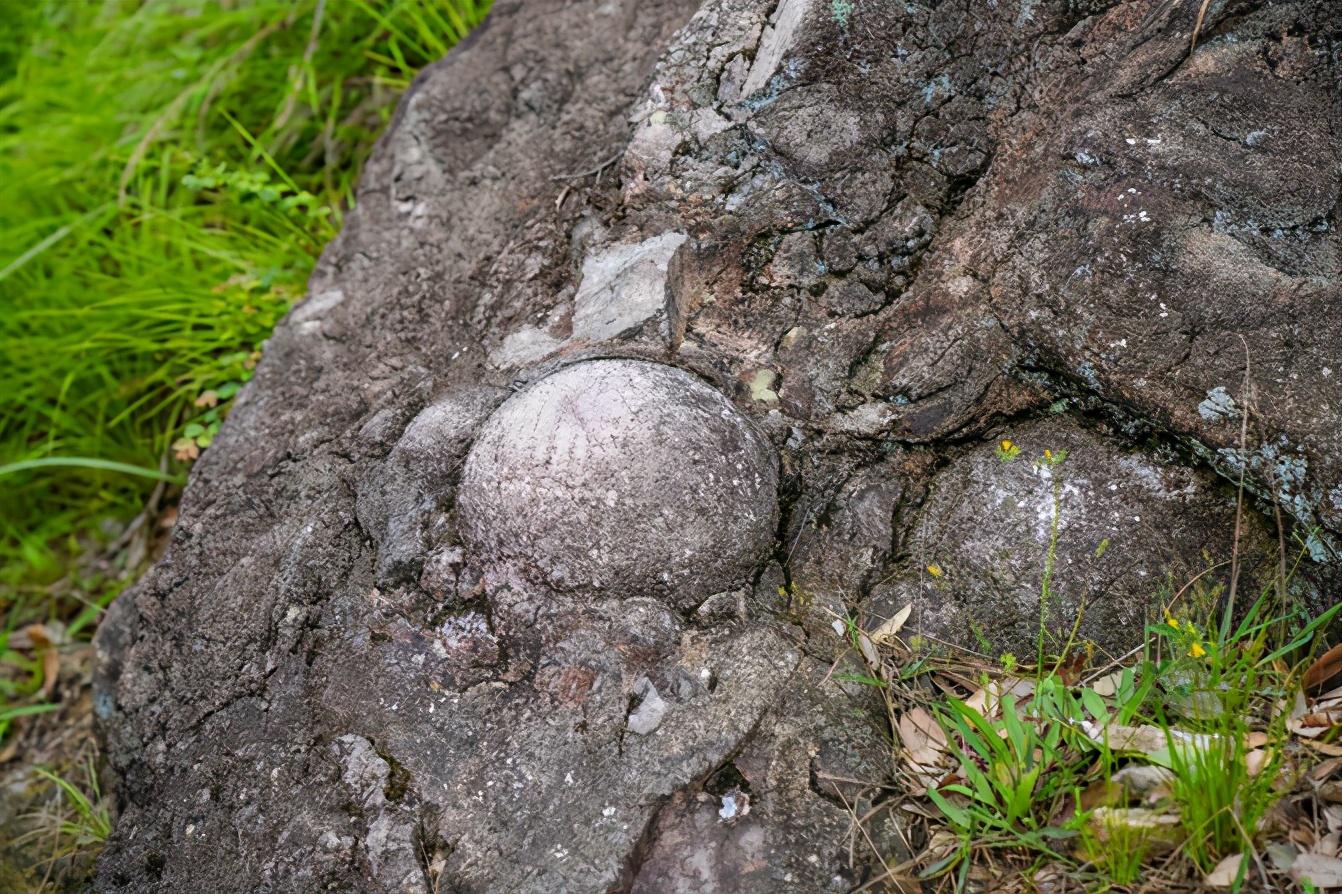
{"points": [[623, 477], [861, 241]]}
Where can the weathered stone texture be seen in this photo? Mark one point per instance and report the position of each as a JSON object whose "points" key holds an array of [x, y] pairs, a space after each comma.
{"points": [[660, 339]]}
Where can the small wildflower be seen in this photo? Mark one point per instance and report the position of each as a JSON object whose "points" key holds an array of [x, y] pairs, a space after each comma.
{"points": [[1007, 450], [935, 570], [1197, 651]]}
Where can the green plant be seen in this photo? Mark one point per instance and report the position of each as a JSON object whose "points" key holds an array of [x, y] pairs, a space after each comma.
{"points": [[1221, 785], [89, 821], [1117, 849], [169, 172], [1014, 767]]}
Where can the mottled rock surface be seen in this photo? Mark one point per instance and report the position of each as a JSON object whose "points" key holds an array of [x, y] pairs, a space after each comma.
{"points": [[622, 477], [843, 250]]}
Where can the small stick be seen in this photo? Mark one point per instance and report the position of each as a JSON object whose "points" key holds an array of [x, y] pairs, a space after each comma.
{"points": [[596, 170]]}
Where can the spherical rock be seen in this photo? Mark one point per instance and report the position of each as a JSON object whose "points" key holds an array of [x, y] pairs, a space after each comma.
{"points": [[621, 477]]}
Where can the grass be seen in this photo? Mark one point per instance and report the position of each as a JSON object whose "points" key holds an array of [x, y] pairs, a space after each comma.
{"points": [[170, 171], [1156, 772], [1025, 775]]}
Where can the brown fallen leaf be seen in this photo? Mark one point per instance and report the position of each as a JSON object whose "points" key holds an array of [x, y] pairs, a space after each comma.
{"points": [[1070, 670], [922, 746], [1326, 670], [1327, 845], [44, 644], [1225, 873], [987, 700], [869, 653], [1325, 769], [1314, 724], [887, 631], [1327, 748], [1322, 872], [1103, 793], [1107, 685], [919, 732]]}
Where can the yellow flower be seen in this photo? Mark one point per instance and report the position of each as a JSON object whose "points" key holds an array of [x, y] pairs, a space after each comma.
{"points": [[934, 570], [1197, 651], [1170, 620], [1048, 454], [1007, 445]]}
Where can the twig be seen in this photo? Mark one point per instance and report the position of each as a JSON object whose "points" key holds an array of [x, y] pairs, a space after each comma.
{"points": [[596, 170], [1197, 26], [1243, 469]]}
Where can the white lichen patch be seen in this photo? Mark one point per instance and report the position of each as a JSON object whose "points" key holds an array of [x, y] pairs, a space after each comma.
{"points": [[1219, 406]]}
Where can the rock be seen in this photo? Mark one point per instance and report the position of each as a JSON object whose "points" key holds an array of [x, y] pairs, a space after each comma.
{"points": [[524, 547], [621, 477], [1130, 529], [651, 709]]}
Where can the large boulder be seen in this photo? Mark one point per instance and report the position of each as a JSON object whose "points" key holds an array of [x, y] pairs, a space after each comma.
{"points": [[663, 339]]}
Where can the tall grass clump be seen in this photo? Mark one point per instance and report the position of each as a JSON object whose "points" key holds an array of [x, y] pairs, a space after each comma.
{"points": [[169, 172]]}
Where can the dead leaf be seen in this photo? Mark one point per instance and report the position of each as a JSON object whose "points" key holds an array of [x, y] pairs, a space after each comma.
{"points": [[207, 399], [1327, 669], [1107, 685], [1332, 817], [987, 700], [1324, 747], [1256, 760], [919, 732], [886, 632], [1323, 872], [1325, 769], [1281, 855], [51, 671], [1327, 845], [1070, 670], [185, 449], [869, 653], [43, 642], [1103, 793], [1330, 699], [923, 746], [1314, 724], [1225, 873]]}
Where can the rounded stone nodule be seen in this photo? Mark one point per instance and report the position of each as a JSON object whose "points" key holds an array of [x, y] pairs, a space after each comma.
{"points": [[624, 478]]}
